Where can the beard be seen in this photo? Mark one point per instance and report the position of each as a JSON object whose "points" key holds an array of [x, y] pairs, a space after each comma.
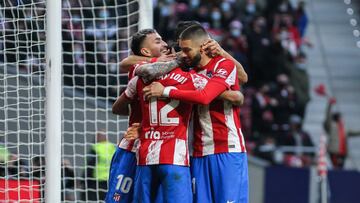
{"points": [[186, 66]]}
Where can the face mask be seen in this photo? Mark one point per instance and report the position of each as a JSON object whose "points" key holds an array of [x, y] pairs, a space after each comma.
{"points": [[165, 11], [283, 7], [283, 35], [104, 14], [194, 3], [215, 15], [301, 66], [76, 19], [235, 32], [66, 4], [78, 50], [225, 6], [113, 67], [250, 8]]}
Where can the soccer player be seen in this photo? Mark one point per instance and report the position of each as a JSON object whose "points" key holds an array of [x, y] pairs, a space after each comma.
{"points": [[219, 163], [163, 158], [147, 43]]}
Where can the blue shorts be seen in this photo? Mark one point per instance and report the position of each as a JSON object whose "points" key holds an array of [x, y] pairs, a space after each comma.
{"points": [[172, 181], [121, 177], [220, 178]]}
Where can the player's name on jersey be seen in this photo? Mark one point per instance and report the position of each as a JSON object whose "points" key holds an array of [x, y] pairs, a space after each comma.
{"points": [[175, 76]]}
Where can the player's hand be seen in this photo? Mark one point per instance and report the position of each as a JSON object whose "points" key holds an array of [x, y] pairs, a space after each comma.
{"points": [[212, 48], [155, 89], [167, 55], [132, 133]]}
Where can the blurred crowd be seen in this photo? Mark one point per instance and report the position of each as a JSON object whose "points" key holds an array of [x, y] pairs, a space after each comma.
{"points": [[22, 36], [268, 38], [95, 39]]}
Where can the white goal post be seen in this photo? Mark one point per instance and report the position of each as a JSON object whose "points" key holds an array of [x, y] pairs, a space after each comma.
{"points": [[59, 74]]}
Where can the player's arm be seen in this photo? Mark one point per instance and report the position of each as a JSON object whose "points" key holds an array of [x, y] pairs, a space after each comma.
{"points": [[214, 49], [204, 96], [121, 105], [150, 71], [223, 79], [235, 97], [131, 60]]}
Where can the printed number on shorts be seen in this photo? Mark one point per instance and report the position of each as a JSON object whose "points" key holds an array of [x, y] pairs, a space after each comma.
{"points": [[124, 183], [162, 118]]}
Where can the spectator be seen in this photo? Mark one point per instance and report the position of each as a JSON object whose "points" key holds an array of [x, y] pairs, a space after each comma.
{"points": [[301, 18], [97, 170], [262, 112], [38, 168], [287, 101], [267, 149], [299, 79], [4, 157], [337, 138], [297, 138]]}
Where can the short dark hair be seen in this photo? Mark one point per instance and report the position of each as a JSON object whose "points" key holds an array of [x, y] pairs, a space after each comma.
{"points": [[182, 25], [138, 39], [193, 32]]}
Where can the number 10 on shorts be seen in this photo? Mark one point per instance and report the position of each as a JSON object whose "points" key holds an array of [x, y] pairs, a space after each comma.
{"points": [[124, 183]]}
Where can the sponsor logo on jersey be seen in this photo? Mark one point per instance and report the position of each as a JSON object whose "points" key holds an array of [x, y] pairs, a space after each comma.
{"points": [[152, 135], [222, 73]]}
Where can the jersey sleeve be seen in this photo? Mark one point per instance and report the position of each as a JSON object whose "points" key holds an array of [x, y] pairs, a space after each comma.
{"points": [[130, 91], [225, 74], [205, 91], [132, 72]]}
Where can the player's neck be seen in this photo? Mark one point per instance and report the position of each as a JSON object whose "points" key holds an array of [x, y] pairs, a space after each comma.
{"points": [[204, 60]]}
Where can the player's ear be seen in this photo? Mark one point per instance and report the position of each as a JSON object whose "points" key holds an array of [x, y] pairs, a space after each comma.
{"points": [[145, 52]]}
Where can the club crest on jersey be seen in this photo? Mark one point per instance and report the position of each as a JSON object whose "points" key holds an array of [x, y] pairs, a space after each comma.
{"points": [[116, 197], [209, 74], [199, 82], [222, 73]]}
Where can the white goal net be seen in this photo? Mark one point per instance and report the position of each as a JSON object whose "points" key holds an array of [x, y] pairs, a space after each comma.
{"points": [[95, 37]]}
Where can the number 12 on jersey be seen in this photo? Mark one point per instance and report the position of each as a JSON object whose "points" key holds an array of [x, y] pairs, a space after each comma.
{"points": [[161, 117]]}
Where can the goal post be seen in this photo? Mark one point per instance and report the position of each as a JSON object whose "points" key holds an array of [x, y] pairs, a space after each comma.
{"points": [[53, 102], [146, 14]]}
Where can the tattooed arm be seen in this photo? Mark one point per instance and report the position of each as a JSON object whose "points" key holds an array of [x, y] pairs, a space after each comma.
{"points": [[150, 71]]}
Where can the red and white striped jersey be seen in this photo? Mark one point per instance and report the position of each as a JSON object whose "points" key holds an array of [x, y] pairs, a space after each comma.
{"points": [[217, 127], [134, 116], [165, 122]]}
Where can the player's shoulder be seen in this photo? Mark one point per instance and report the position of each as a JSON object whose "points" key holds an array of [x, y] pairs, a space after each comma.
{"points": [[223, 62], [132, 69], [140, 64], [223, 67]]}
